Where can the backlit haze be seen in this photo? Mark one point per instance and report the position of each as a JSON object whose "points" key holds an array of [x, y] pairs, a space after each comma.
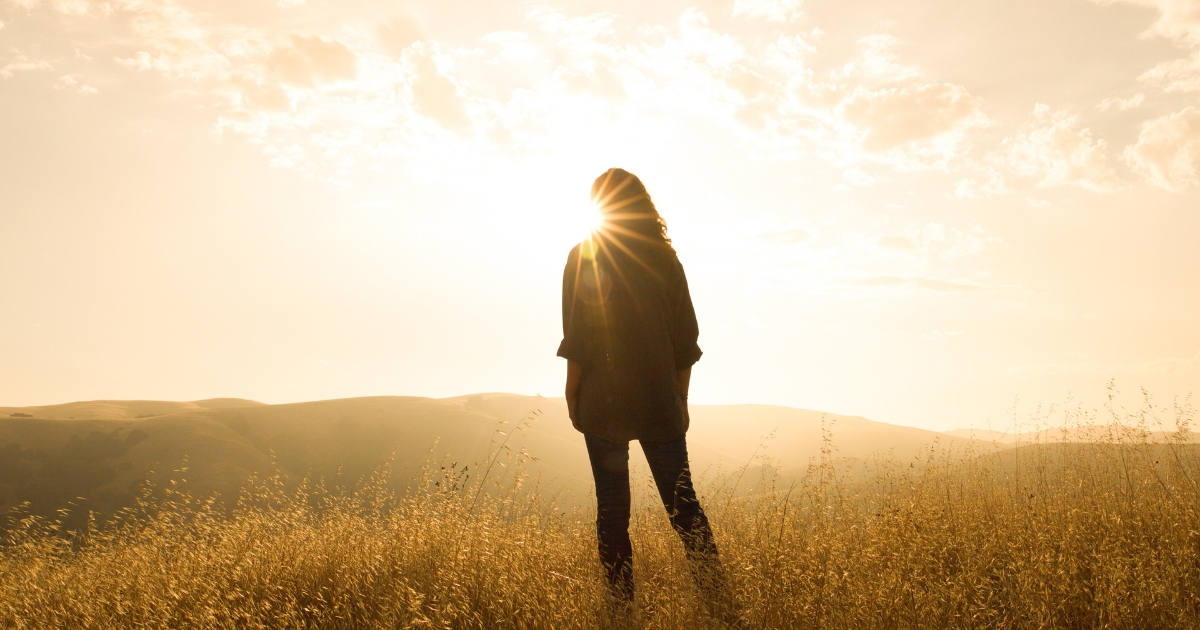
{"points": [[925, 213]]}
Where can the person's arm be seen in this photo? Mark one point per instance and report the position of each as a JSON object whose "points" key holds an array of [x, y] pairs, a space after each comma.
{"points": [[572, 347], [574, 375], [685, 379], [686, 331]]}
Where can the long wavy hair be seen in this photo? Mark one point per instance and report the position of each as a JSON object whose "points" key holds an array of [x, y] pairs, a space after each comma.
{"points": [[628, 212]]}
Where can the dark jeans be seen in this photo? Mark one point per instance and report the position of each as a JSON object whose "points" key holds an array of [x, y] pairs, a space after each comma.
{"points": [[669, 465]]}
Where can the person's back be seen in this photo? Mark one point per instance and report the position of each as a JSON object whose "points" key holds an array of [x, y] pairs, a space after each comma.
{"points": [[631, 323], [629, 337]]}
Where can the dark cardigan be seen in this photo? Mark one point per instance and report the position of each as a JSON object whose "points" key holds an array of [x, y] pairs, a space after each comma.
{"points": [[628, 319]]}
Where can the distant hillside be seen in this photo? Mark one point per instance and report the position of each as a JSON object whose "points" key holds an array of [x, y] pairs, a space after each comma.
{"points": [[122, 409], [1084, 433], [102, 450]]}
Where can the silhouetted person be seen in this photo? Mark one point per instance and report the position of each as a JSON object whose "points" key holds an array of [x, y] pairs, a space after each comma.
{"points": [[629, 337]]}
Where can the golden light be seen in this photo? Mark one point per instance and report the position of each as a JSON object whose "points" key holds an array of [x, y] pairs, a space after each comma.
{"points": [[589, 220]]}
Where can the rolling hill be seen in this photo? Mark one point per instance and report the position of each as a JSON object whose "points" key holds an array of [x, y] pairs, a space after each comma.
{"points": [[95, 454]]}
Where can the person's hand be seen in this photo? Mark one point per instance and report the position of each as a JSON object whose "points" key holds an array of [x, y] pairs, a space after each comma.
{"points": [[685, 379], [571, 393], [572, 404]]}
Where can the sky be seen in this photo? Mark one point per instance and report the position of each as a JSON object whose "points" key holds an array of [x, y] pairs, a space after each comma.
{"points": [[930, 213]]}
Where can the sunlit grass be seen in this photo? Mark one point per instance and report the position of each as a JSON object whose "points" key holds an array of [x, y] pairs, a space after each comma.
{"points": [[1095, 535]]}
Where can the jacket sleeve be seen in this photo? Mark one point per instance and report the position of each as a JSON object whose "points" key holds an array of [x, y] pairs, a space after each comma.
{"points": [[686, 330], [573, 346]]}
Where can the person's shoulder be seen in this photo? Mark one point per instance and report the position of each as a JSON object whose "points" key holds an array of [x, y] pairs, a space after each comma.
{"points": [[676, 264], [663, 265], [587, 249], [678, 276], [578, 256]]}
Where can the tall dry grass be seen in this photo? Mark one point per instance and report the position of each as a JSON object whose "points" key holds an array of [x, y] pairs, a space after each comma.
{"points": [[1098, 535]]}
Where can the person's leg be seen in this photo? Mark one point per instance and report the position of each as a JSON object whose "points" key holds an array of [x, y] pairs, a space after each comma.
{"points": [[610, 469], [669, 465]]}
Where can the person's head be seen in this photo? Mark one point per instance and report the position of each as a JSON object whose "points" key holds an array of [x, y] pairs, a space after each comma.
{"points": [[626, 209]]}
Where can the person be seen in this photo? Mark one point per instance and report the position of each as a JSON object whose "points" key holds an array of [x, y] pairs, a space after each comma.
{"points": [[629, 338]]}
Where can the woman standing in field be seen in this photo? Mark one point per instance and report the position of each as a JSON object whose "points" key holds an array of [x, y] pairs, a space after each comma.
{"points": [[629, 337]]}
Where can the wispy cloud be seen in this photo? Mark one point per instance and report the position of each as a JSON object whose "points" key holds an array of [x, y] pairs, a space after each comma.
{"points": [[772, 10], [1167, 152], [392, 90], [1053, 148], [1121, 104], [22, 63]]}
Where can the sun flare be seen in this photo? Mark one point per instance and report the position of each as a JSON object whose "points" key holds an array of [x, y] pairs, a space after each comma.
{"points": [[585, 220]]}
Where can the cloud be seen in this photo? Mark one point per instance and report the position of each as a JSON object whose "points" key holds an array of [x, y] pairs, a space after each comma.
{"points": [[1177, 19], [513, 45], [779, 94], [1167, 152], [1178, 75], [578, 29], [23, 64], [989, 184], [252, 95], [435, 94], [171, 39], [1121, 104], [770, 10], [142, 60], [69, 82], [309, 60], [71, 7], [872, 104], [758, 95], [646, 75], [878, 62], [594, 78], [895, 116], [1053, 148], [857, 177], [399, 33]]}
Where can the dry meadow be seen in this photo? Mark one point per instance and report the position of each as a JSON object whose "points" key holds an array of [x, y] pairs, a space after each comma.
{"points": [[1101, 532]]}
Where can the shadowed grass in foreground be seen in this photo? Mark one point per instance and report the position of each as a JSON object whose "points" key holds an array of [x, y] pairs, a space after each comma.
{"points": [[1093, 535]]}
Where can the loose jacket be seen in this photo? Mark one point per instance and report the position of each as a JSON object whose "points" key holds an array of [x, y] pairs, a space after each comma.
{"points": [[628, 319]]}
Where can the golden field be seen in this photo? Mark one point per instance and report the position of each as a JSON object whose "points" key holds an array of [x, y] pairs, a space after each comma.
{"points": [[1099, 532]]}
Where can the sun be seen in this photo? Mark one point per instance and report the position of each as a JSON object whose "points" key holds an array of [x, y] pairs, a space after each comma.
{"points": [[585, 220]]}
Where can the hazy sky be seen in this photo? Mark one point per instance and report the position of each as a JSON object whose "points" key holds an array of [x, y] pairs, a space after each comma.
{"points": [[914, 211]]}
